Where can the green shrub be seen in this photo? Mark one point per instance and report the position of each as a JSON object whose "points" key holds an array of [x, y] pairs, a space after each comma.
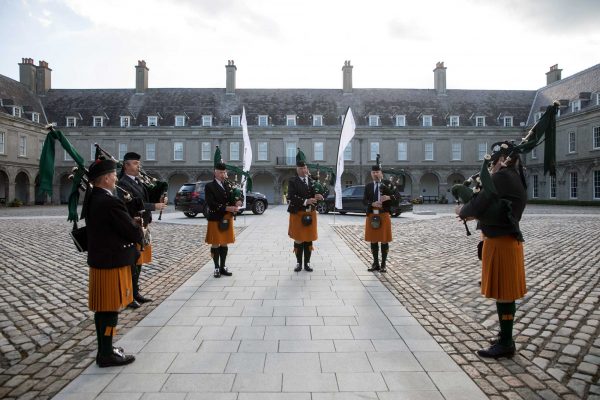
{"points": [[15, 203]]}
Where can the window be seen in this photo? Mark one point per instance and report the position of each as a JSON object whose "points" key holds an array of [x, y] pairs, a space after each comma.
{"points": [[317, 120], [22, 146], [400, 120], [234, 151], [150, 151], [290, 153], [374, 147], [178, 151], [235, 120], [40, 148], [575, 105], [67, 156], [17, 112], [180, 120], [454, 120], [98, 122], [537, 116], [122, 150], [125, 122], [153, 120], [290, 120], [479, 121], [35, 117], [263, 151], [596, 185], [573, 185], [429, 151], [263, 120], [71, 122], [348, 152], [373, 120], [482, 151], [534, 186], [456, 151], [207, 120], [534, 153], [596, 137], [318, 146], [552, 186], [92, 152], [598, 99], [508, 122], [571, 142], [402, 151], [427, 120], [205, 156], [2, 138]]}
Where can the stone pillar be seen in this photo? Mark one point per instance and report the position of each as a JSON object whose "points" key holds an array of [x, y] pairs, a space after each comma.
{"points": [[56, 194], [31, 195], [11, 192]]}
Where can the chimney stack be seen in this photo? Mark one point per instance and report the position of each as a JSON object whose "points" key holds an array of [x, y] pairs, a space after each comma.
{"points": [[43, 78], [27, 73], [141, 77], [553, 75], [347, 77], [230, 69], [439, 78]]}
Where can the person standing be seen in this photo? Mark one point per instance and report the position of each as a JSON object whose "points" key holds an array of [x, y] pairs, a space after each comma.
{"points": [[503, 266], [130, 181], [378, 223], [112, 234], [303, 217], [219, 232]]}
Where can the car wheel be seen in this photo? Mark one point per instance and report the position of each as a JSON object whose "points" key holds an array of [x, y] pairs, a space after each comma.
{"points": [[322, 207], [258, 207], [343, 212], [190, 214]]}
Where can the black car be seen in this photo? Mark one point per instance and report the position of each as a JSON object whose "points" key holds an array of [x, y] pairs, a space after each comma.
{"points": [[190, 200], [352, 198]]}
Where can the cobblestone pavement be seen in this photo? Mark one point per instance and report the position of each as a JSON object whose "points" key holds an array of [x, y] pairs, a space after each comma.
{"points": [[434, 272]]}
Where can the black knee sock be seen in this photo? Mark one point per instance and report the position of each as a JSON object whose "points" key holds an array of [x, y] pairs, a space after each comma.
{"points": [[385, 247], [135, 276], [106, 325], [307, 251], [223, 252], [214, 252], [298, 251], [375, 252], [507, 316]]}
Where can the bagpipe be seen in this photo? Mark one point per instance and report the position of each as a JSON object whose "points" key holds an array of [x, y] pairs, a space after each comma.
{"points": [[234, 189], [391, 186], [321, 186]]}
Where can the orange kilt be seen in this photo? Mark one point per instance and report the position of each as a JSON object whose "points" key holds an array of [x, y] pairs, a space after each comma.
{"points": [[145, 256], [503, 268], [109, 289], [216, 236], [382, 234], [299, 232]]}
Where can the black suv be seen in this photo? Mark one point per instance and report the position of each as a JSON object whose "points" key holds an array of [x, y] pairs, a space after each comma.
{"points": [[352, 198], [190, 200]]}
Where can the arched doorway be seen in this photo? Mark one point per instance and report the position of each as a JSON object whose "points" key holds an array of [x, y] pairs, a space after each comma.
{"points": [[175, 182], [205, 176], [3, 188], [407, 189], [39, 198], [265, 184], [429, 187], [348, 179], [22, 187], [453, 179]]}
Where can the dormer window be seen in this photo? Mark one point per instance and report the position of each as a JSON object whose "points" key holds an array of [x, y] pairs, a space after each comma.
{"points": [[207, 120], [454, 120], [263, 120], [373, 120], [575, 105], [290, 120], [235, 120], [317, 120], [479, 121], [180, 120], [152, 120], [598, 99], [125, 121], [17, 111], [71, 122], [400, 120], [35, 117], [508, 122], [427, 120], [98, 122]]}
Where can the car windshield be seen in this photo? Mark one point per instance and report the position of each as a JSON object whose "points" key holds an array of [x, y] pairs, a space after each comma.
{"points": [[187, 187]]}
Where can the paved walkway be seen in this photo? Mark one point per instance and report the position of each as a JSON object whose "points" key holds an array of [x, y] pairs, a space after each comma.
{"points": [[270, 333]]}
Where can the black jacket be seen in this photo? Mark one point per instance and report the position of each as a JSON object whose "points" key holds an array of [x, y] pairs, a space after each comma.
{"points": [[216, 200], [369, 198], [298, 192], [140, 198], [111, 231], [509, 186]]}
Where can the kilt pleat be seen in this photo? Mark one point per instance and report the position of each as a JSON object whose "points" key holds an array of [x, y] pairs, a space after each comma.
{"points": [[216, 236], [383, 233], [109, 289], [503, 268], [300, 232]]}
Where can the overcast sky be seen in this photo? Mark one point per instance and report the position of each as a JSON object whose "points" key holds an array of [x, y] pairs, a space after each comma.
{"points": [[499, 44]]}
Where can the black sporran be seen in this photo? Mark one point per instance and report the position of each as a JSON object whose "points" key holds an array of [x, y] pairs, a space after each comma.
{"points": [[375, 221], [223, 224], [306, 219], [79, 236]]}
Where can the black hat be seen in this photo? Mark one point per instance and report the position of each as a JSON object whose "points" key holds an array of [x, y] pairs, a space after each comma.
{"points": [[220, 166], [101, 167], [300, 158], [132, 156], [377, 166], [504, 148]]}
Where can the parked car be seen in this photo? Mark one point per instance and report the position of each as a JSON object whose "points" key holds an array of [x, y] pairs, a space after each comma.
{"points": [[190, 200], [352, 198]]}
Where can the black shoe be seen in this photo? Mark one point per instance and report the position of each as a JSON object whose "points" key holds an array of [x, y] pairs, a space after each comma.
{"points": [[495, 339], [382, 269], [217, 273], [374, 267], [114, 360], [298, 268], [497, 351], [308, 268], [141, 299], [117, 350], [224, 272], [134, 304]]}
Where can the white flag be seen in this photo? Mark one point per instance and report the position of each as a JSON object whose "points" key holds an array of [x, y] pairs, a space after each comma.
{"points": [[348, 128], [247, 160]]}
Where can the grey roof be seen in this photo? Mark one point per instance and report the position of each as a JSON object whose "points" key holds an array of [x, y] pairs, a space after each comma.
{"points": [[579, 86], [277, 103], [15, 93]]}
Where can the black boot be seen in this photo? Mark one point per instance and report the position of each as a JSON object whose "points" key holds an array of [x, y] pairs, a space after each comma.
{"points": [[385, 247], [375, 252], [298, 252], [135, 276], [214, 252], [138, 297], [307, 253], [222, 268]]}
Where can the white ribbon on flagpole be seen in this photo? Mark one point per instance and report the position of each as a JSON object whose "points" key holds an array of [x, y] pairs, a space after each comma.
{"points": [[247, 160], [348, 130]]}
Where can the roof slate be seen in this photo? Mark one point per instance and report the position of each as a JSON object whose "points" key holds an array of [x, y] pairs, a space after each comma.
{"points": [[15, 93]]}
